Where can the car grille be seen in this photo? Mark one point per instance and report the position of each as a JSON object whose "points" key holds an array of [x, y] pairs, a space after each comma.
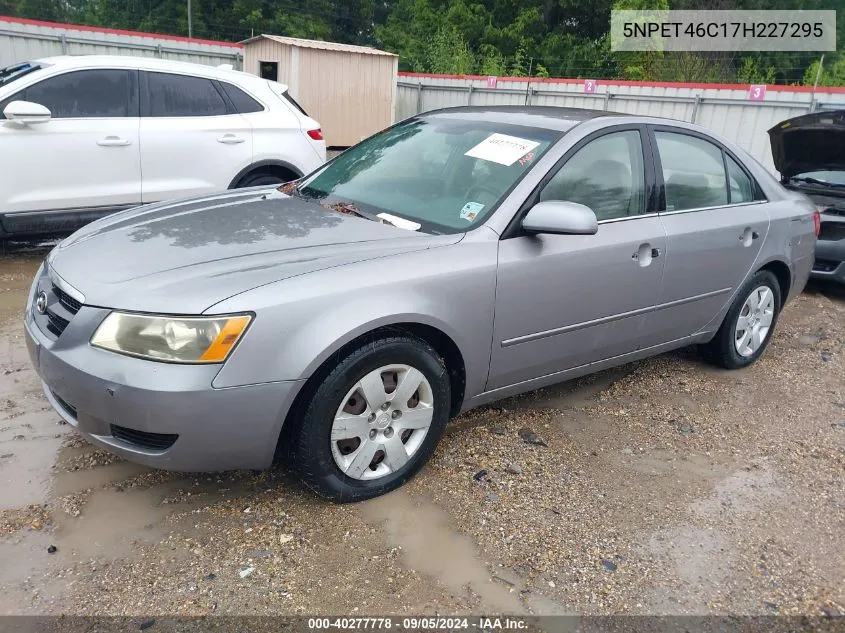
{"points": [[66, 300], [55, 323], [61, 308], [143, 439]]}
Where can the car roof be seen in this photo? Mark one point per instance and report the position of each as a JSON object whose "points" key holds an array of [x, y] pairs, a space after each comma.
{"points": [[144, 63], [549, 117]]}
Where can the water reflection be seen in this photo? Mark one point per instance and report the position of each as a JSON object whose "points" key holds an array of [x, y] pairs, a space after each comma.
{"points": [[246, 221]]}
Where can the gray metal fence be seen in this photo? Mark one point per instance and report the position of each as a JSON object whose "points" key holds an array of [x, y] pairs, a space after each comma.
{"points": [[22, 40], [731, 111]]}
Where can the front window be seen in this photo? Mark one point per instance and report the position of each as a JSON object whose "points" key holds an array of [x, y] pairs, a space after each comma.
{"points": [[87, 94], [606, 175], [445, 174]]}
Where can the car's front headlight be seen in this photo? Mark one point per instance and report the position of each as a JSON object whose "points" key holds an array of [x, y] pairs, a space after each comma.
{"points": [[171, 339]]}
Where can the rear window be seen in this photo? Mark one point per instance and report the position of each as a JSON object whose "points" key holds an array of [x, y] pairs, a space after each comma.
{"points": [[244, 104], [183, 96], [292, 101]]}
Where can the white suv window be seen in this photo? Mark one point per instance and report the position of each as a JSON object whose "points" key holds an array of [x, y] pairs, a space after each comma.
{"points": [[85, 94], [244, 104], [182, 95]]}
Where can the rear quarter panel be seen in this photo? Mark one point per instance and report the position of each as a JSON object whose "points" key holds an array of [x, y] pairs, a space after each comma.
{"points": [[792, 238], [278, 134]]}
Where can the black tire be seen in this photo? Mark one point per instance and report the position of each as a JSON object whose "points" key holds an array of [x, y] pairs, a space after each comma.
{"points": [[261, 179], [722, 349], [310, 449]]}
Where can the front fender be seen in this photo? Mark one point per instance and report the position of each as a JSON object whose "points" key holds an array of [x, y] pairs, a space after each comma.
{"points": [[300, 322]]}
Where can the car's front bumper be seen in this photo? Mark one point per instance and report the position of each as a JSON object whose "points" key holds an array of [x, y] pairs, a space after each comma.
{"points": [[134, 408]]}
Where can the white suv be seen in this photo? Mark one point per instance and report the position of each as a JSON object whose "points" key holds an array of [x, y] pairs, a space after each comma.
{"points": [[82, 137]]}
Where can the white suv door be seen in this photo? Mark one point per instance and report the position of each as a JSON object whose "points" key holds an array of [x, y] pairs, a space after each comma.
{"points": [[192, 142], [86, 157]]}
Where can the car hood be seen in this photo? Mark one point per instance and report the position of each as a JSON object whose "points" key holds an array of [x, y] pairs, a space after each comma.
{"points": [[813, 142], [182, 257]]}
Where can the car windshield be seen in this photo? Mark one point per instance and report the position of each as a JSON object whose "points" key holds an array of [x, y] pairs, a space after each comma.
{"points": [[444, 174], [16, 71], [826, 177]]}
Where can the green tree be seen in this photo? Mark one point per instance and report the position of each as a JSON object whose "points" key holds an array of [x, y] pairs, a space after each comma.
{"points": [[833, 72], [449, 53]]}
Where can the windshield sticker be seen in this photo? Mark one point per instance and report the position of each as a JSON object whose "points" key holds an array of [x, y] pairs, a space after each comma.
{"points": [[502, 149], [526, 159], [398, 222], [471, 210]]}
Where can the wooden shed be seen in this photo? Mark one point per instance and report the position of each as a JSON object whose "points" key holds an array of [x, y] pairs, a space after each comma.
{"points": [[350, 90]]}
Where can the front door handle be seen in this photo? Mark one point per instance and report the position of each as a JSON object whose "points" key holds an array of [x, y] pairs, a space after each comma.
{"points": [[644, 255], [230, 139], [113, 141]]}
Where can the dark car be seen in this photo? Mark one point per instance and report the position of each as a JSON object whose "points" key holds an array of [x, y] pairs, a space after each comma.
{"points": [[809, 153]]}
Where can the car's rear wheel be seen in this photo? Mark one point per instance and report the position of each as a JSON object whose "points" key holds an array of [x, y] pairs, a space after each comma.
{"points": [[748, 326], [373, 421]]}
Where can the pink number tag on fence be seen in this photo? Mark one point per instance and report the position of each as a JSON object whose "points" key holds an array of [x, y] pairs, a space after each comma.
{"points": [[492, 81], [589, 85], [757, 92]]}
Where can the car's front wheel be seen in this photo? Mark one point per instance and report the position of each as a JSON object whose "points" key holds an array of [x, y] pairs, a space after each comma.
{"points": [[373, 421], [748, 326]]}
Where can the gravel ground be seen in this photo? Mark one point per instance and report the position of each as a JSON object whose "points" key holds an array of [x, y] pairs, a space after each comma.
{"points": [[663, 487]]}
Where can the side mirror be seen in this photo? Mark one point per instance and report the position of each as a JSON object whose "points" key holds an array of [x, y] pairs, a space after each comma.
{"points": [[26, 112], [561, 218]]}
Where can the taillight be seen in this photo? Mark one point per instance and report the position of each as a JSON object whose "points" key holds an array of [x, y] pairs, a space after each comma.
{"points": [[317, 134], [817, 222]]}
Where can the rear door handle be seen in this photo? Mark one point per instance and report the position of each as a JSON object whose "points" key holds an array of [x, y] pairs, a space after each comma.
{"points": [[230, 139], [113, 141], [748, 236]]}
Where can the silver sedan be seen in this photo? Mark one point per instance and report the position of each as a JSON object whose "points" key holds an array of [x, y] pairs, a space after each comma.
{"points": [[456, 258]]}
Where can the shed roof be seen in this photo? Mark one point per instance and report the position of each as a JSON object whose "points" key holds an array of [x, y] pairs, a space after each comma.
{"points": [[326, 46]]}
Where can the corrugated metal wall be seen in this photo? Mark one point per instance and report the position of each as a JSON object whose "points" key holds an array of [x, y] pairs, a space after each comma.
{"points": [[726, 110], [22, 40]]}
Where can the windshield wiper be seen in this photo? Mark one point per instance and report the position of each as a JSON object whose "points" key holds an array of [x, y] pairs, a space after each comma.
{"points": [[815, 181], [345, 208]]}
